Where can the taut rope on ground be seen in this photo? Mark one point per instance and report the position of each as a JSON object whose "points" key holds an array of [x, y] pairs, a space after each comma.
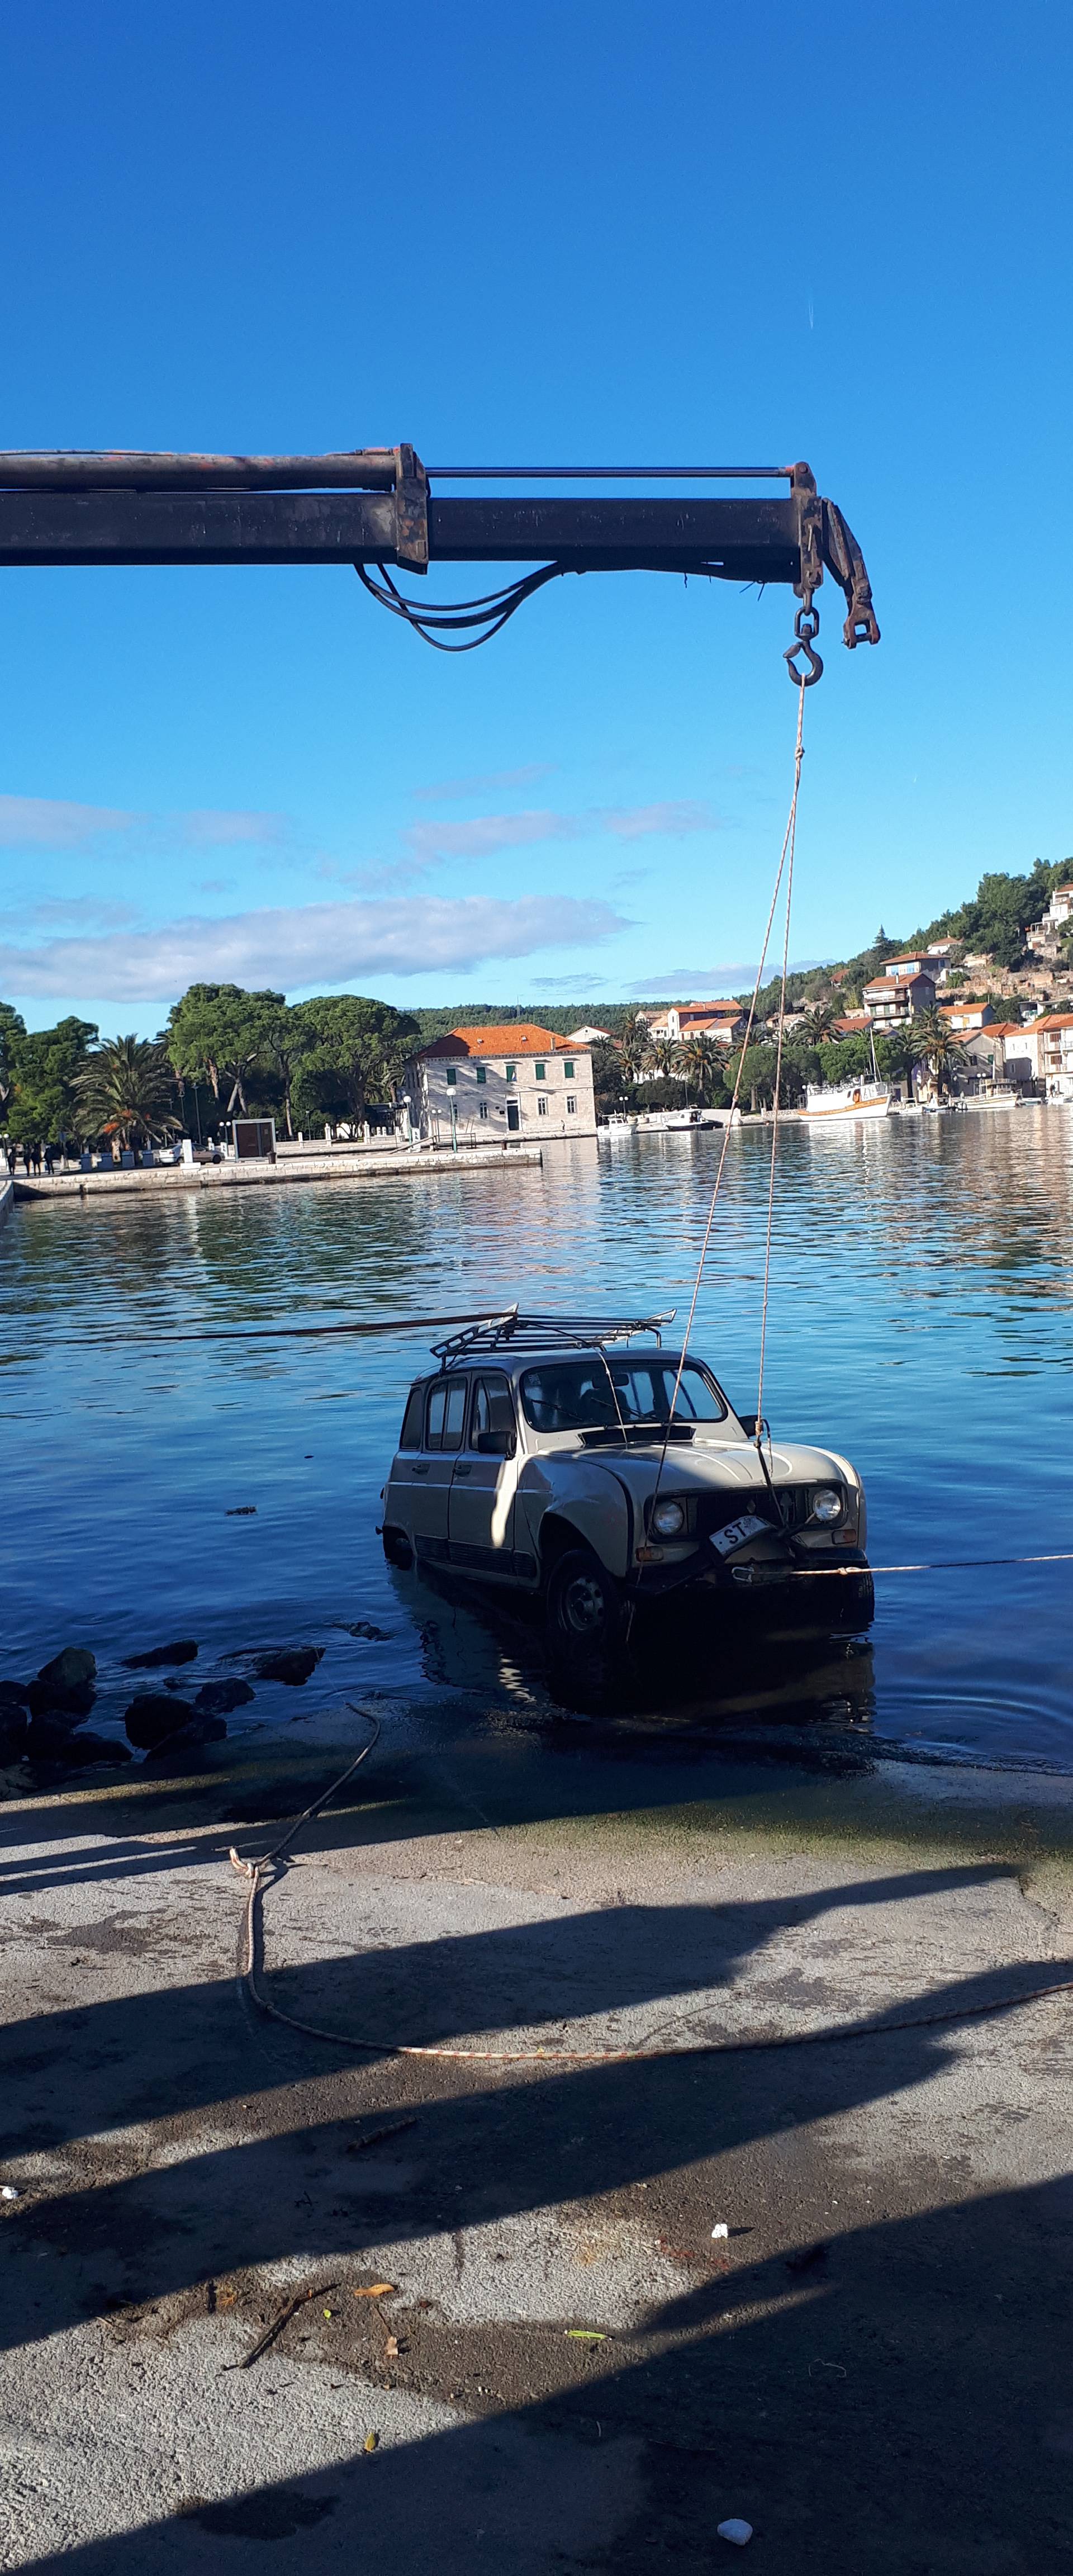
{"points": [[259, 1874]]}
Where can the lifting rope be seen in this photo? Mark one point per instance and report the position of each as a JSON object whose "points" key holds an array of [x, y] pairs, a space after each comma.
{"points": [[785, 868], [260, 1874]]}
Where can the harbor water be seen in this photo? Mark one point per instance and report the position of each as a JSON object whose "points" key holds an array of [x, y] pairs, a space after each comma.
{"points": [[173, 1467]]}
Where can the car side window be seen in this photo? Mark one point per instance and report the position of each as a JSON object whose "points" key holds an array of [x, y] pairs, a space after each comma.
{"points": [[446, 1413], [492, 1426], [410, 1435]]}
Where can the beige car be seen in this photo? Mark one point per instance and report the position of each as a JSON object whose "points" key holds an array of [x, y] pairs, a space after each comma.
{"points": [[553, 1457]]}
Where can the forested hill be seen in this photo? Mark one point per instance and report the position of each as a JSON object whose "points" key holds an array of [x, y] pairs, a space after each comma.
{"points": [[993, 920]]}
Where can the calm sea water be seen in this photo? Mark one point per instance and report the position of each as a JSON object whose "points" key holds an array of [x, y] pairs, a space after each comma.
{"points": [[921, 1321]]}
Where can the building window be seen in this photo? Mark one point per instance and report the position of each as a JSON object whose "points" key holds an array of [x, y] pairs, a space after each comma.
{"points": [[452, 1076], [571, 1105], [569, 1072], [512, 1073], [482, 1109], [482, 1075], [542, 1073], [542, 1105]]}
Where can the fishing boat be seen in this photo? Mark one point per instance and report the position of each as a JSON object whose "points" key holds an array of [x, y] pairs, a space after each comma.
{"points": [[860, 1098]]}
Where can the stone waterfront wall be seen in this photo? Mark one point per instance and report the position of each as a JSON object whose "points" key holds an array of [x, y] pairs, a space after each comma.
{"points": [[342, 1163]]}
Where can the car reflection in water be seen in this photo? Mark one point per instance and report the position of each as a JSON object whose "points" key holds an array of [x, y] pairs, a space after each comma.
{"points": [[791, 1694]]}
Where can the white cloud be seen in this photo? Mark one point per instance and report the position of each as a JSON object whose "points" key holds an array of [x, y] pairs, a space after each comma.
{"points": [[74, 912], [480, 786], [676, 818], [487, 833], [716, 980], [51, 823], [203, 829], [318, 943]]}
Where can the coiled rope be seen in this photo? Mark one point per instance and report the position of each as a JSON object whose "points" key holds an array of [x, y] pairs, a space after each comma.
{"points": [[260, 1871]]}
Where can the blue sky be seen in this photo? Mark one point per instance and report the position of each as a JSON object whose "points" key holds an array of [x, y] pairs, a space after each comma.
{"points": [[575, 233]]}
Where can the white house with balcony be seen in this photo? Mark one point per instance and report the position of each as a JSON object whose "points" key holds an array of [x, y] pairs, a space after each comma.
{"points": [[890, 999], [496, 1086]]}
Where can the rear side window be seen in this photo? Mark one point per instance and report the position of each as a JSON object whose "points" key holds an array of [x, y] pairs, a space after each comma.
{"points": [[446, 1413], [492, 1427], [410, 1435]]}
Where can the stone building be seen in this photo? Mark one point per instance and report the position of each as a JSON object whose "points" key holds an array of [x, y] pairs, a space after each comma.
{"points": [[487, 1086]]}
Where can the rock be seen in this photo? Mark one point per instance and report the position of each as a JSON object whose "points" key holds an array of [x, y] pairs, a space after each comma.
{"points": [[365, 1628], [13, 1696], [13, 1727], [49, 1699], [217, 1699], [182, 1652], [738, 2532], [65, 1683], [80, 1749], [150, 1718], [176, 1749], [293, 1664], [71, 1669], [47, 1738]]}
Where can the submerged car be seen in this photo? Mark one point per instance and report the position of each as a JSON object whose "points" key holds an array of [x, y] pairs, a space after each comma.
{"points": [[555, 1457]]}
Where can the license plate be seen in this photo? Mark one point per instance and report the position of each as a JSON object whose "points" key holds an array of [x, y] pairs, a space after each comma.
{"points": [[736, 1533]]}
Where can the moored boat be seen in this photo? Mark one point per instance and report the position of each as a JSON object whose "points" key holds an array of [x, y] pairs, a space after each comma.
{"points": [[856, 1099]]}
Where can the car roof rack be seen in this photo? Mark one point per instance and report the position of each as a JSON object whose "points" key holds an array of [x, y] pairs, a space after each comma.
{"points": [[513, 1330]]}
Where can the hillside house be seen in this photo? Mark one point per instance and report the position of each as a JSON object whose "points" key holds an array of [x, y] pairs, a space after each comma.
{"points": [[487, 1086], [891, 999], [724, 1021]]}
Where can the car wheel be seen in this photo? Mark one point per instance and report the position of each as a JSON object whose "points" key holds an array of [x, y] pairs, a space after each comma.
{"points": [[397, 1548], [585, 1625]]}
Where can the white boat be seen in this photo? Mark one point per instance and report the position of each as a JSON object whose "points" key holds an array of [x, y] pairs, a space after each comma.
{"points": [[615, 1126], [857, 1099]]}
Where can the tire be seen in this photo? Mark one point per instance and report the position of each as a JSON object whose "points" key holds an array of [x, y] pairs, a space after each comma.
{"points": [[585, 1620], [397, 1549]]}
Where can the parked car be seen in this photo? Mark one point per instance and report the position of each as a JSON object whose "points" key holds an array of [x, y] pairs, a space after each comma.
{"points": [[560, 1459]]}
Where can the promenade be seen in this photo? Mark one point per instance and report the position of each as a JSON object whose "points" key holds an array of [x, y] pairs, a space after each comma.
{"points": [[558, 2309], [339, 1163]]}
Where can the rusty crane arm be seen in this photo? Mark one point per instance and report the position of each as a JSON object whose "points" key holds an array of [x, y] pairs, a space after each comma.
{"points": [[377, 507]]}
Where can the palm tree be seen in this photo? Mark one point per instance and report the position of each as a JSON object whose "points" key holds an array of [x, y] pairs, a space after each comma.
{"points": [[125, 1090], [820, 1023], [936, 1044], [699, 1060], [634, 1053], [663, 1053]]}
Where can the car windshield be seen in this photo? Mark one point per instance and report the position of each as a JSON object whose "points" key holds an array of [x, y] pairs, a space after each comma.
{"points": [[600, 1394]]}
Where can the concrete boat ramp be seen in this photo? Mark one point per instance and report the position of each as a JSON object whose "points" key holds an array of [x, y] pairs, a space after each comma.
{"points": [[561, 2367]]}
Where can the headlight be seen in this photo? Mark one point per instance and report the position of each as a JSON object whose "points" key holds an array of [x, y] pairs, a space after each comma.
{"points": [[668, 1519], [827, 1504]]}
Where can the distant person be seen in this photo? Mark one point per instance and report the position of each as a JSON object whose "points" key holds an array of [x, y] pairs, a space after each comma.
{"points": [[12, 1157], [50, 1157], [37, 1157], [26, 1157]]}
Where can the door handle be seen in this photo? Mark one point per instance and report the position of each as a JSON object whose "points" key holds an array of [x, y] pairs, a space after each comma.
{"points": [[419, 1471], [463, 1471]]}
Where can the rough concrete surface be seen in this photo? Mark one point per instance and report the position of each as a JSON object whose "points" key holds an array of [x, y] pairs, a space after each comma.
{"points": [[566, 2371]]}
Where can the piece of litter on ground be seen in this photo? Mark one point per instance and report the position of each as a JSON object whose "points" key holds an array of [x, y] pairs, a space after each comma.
{"points": [[372, 2441], [720, 2229], [376, 2290], [9, 2192], [585, 2334], [328, 2312], [738, 2532], [391, 2348]]}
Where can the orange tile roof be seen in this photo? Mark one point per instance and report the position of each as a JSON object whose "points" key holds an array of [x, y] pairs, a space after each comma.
{"points": [[519, 1037], [1053, 1020]]}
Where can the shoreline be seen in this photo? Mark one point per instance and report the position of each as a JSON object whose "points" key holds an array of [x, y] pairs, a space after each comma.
{"points": [[342, 1164]]}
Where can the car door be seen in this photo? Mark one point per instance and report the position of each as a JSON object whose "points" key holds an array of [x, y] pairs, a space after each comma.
{"points": [[405, 1484], [483, 1485], [445, 1422]]}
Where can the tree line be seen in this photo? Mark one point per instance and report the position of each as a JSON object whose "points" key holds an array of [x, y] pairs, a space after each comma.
{"points": [[703, 1070], [223, 1051]]}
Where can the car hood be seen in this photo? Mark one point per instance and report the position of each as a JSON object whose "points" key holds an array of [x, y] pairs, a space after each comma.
{"points": [[732, 1467]]}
